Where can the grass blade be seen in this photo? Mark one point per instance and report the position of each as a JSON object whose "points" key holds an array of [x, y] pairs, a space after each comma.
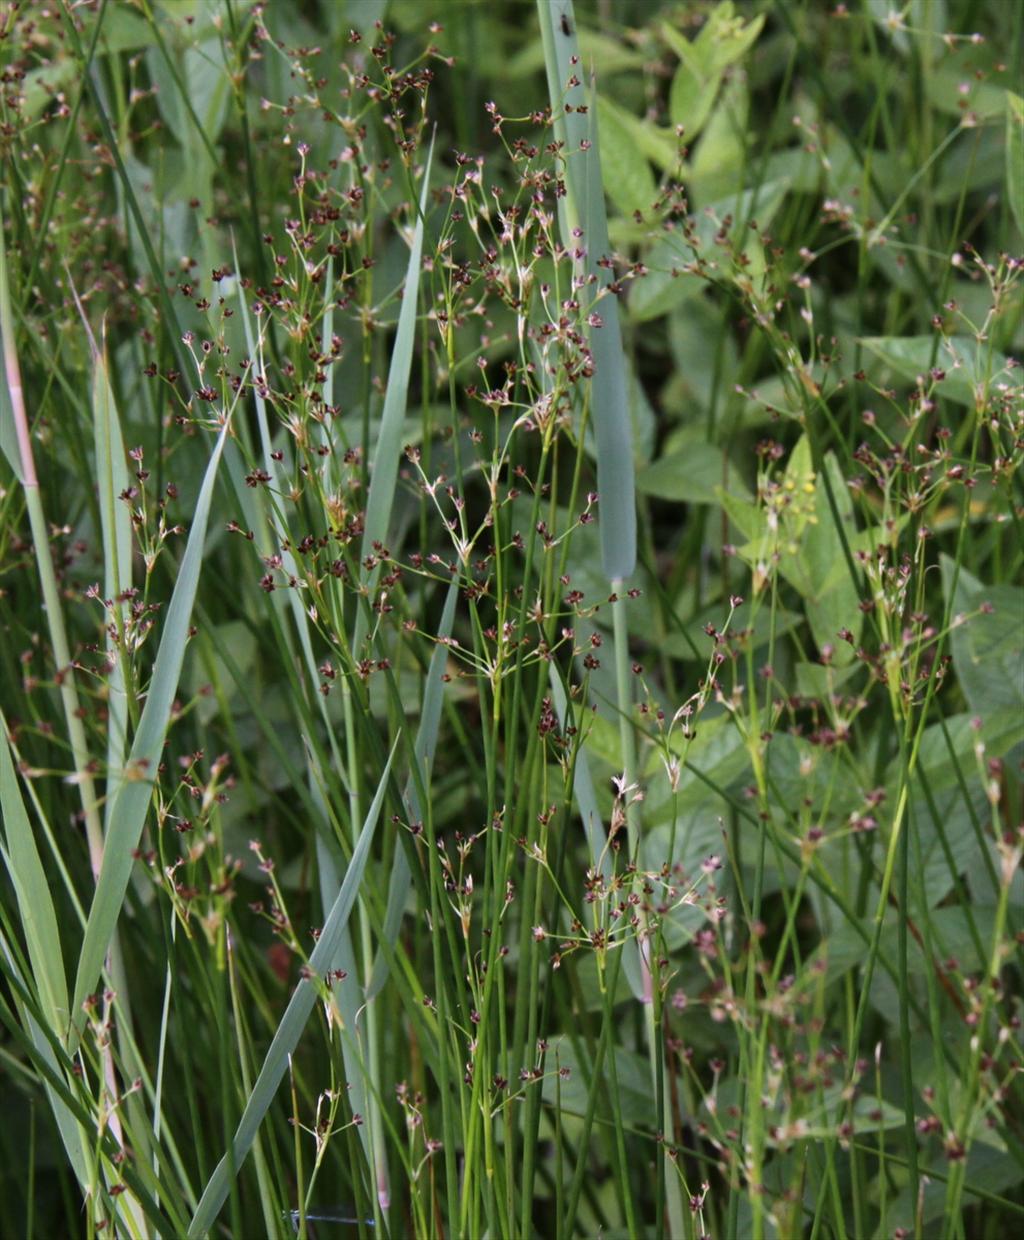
{"points": [[38, 917], [115, 518], [71, 1132]]}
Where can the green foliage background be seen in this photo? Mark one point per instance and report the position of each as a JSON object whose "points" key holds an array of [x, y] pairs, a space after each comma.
{"points": [[512, 618]]}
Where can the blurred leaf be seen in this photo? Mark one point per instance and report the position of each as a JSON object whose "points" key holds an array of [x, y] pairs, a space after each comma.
{"points": [[988, 649], [962, 361], [628, 179], [122, 29], [814, 680], [732, 212], [663, 288], [693, 90], [693, 476], [834, 601], [719, 154], [957, 92], [1015, 156], [724, 38], [632, 1073], [1001, 730], [759, 625], [203, 74], [601, 738], [988, 1169], [953, 937], [236, 635], [604, 54], [944, 817], [42, 85], [642, 417], [718, 752], [704, 355]]}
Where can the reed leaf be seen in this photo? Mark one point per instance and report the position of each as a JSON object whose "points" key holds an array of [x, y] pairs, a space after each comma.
{"points": [[576, 124]]}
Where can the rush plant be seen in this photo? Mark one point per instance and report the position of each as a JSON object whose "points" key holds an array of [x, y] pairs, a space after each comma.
{"points": [[513, 622]]}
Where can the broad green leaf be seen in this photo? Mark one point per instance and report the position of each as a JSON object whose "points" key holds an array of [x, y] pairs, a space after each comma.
{"points": [[239, 637], [628, 179], [747, 517], [601, 738], [961, 94], [128, 815], [1000, 731], [724, 38], [203, 75], [946, 838], [294, 1021], [704, 358], [804, 540], [717, 752], [834, 601], [1015, 156], [605, 55], [964, 365], [692, 93], [988, 648], [122, 30], [719, 154], [643, 418], [664, 287], [945, 815], [814, 680], [661, 146], [694, 475], [953, 937]]}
